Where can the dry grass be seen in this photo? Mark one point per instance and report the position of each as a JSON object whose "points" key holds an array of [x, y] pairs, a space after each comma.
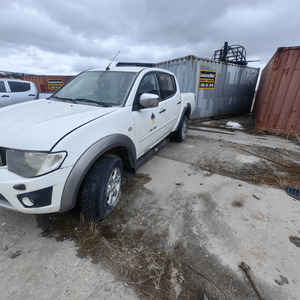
{"points": [[297, 138], [282, 182], [145, 269], [140, 265]]}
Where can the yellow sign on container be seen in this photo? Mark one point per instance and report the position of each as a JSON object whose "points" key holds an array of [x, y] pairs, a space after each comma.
{"points": [[54, 84], [207, 79]]}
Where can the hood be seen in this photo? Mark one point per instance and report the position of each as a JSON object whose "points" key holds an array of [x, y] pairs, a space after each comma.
{"points": [[39, 124]]}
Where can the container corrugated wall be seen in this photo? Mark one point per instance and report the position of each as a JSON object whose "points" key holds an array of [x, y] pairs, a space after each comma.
{"points": [[277, 104], [48, 83], [221, 88]]}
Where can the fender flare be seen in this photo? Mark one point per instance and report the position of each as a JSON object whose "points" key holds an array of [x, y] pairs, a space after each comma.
{"points": [[87, 159], [186, 111]]}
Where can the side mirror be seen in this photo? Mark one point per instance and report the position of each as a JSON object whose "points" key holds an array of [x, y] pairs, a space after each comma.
{"points": [[148, 100]]}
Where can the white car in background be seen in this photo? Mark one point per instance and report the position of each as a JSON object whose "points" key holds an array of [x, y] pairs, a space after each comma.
{"points": [[14, 91]]}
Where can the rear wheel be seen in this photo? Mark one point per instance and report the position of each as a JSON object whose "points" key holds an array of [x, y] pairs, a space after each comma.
{"points": [[181, 133], [102, 188]]}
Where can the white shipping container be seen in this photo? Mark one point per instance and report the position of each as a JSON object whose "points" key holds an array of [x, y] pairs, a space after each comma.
{"points": [[221, 88]]}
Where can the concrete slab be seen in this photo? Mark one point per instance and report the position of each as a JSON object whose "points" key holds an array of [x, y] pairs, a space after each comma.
{"points": [[230, 221]]}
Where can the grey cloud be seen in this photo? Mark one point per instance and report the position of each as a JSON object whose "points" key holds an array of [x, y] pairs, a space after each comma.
{"points": [[70, 35]]}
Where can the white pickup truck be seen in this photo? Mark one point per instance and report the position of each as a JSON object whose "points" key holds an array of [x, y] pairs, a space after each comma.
{"points": [[74, 147], [14, 91]]}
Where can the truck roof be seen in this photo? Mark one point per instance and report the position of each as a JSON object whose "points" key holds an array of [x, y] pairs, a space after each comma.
{"points": [[123, 69], [128, 69]]}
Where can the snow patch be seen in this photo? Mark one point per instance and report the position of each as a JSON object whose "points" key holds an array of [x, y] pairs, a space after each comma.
{"points": [[234, 125]]}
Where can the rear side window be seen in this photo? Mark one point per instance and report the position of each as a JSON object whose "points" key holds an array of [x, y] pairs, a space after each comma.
{"points": [[167, 85], [2, 87], [16, 86]]}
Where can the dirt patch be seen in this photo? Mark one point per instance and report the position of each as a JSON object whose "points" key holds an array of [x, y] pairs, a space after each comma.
{"points": [[238, 203], [268, 166], [131, 254], [15, 254], [295, 240], [283, 280], [250, 163]]}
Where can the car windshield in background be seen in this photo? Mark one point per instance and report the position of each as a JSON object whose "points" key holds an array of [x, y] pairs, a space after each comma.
{"points": [[104, 88]]}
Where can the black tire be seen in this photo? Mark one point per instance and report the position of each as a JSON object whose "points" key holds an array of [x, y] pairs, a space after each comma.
{"points": [[181, 133], [102, 188]]}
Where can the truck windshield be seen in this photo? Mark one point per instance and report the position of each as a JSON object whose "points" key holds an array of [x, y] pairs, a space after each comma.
{"points": [[105, 88]]}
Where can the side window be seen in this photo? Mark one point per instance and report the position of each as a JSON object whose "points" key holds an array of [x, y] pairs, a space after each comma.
{"points": [[16, 86], [2, 87], [148, 85], [167, 85]]}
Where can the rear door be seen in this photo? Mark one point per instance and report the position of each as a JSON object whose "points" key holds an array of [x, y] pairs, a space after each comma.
{"points": [[170, 100], [22, 91], [5, 98]]}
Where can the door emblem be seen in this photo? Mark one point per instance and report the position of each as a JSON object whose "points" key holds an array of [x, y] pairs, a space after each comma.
{"points": [[153, 118]]}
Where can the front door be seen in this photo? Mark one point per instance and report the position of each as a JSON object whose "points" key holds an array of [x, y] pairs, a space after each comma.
{"points": [[149, 122], [5, 98]]}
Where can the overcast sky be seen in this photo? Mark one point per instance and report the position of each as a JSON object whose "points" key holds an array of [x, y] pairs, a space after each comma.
{"points": [[69, 36]]}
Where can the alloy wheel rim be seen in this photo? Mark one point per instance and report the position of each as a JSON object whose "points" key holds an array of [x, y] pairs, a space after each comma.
{"points": [[113, 187], [184, 130]]}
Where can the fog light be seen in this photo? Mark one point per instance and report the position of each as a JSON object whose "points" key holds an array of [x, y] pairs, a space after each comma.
{"points": [[27, 201]]}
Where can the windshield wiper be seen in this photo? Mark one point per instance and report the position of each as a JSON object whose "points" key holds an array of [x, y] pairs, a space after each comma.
{"points": [[65, 99], [94, 101]]}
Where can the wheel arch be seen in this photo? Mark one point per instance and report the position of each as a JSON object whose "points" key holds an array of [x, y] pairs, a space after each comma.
{"points": [[116, 144], [186, 112]]}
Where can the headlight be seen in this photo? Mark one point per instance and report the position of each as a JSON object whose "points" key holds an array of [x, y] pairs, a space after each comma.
{"points": [[31, 164]]}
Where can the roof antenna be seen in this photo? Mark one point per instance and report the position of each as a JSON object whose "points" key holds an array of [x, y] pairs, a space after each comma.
{"points": [[107, 68]]}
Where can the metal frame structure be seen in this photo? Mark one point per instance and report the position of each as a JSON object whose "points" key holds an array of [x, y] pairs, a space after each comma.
{"points": [[235, 54]]}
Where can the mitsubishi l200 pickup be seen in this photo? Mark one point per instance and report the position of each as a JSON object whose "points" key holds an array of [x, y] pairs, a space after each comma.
{"points": [[74, 147]]}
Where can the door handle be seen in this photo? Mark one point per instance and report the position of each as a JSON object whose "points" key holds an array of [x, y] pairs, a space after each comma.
{"points": [[162, 110], [30, 95], [4, 96], [178, 103]]}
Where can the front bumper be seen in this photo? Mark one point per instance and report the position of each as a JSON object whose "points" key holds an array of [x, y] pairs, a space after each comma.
{"points": [[36, 195]]}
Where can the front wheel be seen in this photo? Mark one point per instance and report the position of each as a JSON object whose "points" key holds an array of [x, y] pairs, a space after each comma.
{"points": [[102, 188], [181, 133]]}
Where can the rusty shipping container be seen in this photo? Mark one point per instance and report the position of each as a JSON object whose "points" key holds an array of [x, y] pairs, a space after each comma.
{"points": [[277, 104], [221, 88], [47, 83]]}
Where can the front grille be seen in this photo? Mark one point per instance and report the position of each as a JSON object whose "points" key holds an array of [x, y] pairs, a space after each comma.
{"points": [[2, 156]]}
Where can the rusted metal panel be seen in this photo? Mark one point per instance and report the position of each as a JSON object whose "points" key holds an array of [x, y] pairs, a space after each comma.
{"points": [[48, 83], [221, 88], [277, 103]]}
